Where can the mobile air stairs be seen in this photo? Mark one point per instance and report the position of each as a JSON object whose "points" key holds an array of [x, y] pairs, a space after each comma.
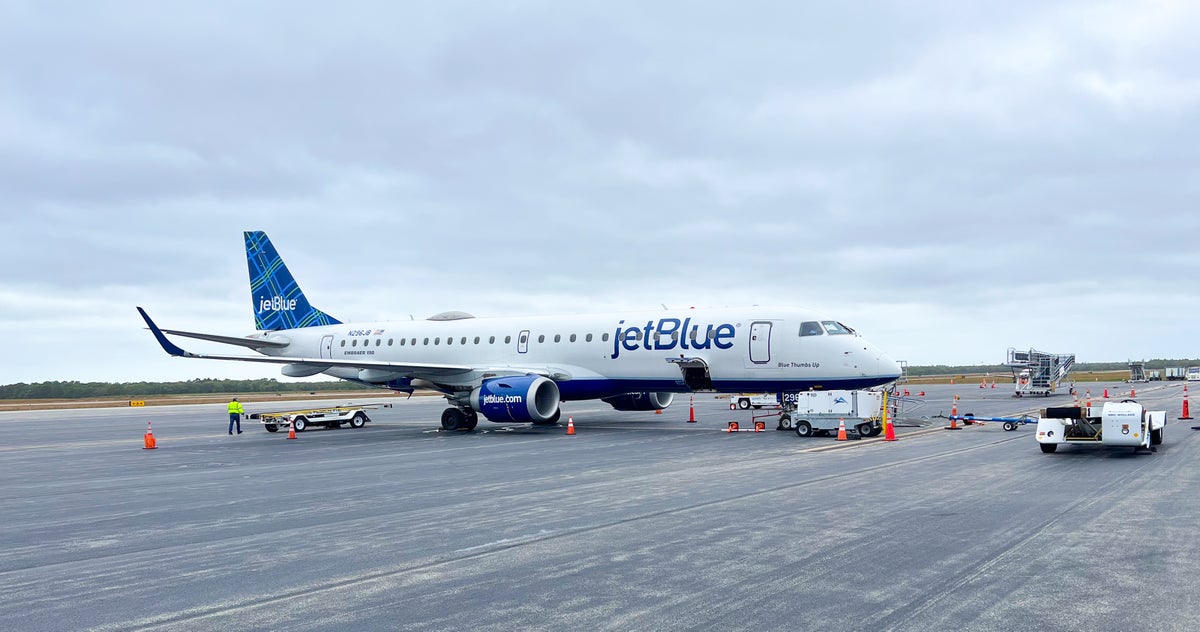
{"points": [[1036, 372]]}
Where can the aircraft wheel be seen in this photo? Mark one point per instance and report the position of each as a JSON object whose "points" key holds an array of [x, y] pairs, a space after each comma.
{"points": [[300, 423], [1048, 448], [453, 419], [803, 429], [271, 427], [743, 403], [358, 420], [472, 420]]}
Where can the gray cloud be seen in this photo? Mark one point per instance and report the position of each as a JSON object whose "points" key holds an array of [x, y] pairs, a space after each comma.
{"points": [[954, 178]]}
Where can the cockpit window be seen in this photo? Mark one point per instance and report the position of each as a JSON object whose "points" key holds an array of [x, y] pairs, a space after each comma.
{"points": [[835, 328], [809, 328]]}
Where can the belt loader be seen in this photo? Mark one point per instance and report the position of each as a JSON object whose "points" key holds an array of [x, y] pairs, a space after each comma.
{"points": [[1124, 423]]}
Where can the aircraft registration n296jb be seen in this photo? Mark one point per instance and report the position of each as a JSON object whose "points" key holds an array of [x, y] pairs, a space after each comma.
{"points": [[519, 369]]}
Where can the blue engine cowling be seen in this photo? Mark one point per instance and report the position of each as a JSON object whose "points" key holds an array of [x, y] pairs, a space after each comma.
{"points": [[516, 398], [640, 401]]}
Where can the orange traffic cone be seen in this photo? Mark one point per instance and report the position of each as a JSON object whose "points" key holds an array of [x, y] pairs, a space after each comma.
{"points": [[889, 433], [953, 416], [983, 384], [841, 429], [570, 425], [148, 442], [291, 430], [993, 383], [1132, 392], [1186, 413], [691, 410], [1106, 393]]}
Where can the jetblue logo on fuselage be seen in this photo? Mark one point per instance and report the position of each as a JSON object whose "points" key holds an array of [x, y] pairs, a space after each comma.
{"points": [[276, 304], [668, 333]]}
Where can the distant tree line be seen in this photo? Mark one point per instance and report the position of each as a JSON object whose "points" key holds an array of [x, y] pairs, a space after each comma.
{"points": [[135, 390]]}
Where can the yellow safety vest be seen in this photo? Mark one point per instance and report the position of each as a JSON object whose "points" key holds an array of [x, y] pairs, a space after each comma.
{"points": [[236, 407]]}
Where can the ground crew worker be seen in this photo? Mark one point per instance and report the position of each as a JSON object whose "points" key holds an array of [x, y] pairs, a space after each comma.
{"points": [[235, 415]]}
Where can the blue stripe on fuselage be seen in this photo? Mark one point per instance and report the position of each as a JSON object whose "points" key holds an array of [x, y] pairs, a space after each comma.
{"points": [[596, 388]]}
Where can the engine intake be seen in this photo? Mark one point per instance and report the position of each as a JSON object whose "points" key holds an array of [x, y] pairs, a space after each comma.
{"points": [[516, 398], [640, 401]]}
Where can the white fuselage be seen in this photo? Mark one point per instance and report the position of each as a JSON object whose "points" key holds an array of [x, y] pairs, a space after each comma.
{"points": [[600, 355]]}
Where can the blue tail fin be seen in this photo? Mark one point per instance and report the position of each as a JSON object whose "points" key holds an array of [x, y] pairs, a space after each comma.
{"points": [[278, 301]]}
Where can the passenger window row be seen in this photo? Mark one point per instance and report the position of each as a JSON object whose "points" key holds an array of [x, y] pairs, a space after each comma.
{"points": [[450, 340]]}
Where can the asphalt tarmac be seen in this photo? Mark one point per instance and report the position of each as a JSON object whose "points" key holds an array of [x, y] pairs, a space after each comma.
{"points": [[638, 521]]}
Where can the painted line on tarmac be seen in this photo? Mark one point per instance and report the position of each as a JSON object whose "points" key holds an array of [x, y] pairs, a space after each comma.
{"points": [[873, 440], [158, 437]]}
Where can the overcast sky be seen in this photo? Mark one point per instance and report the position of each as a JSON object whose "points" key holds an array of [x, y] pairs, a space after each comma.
{"points": [[951, 179]]}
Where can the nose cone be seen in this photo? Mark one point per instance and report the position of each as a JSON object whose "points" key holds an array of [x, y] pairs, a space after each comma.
{"points": [[882, 365], [889, 367]]}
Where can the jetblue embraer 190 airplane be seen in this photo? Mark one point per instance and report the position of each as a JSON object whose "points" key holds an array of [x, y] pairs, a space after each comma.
{"points": [[519, 369]]}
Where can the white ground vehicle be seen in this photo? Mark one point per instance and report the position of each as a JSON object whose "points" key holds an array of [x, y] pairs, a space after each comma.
{"points": [[815, 412], [1175, 373], [355, 416], [757, 400], [1115, 423], [1193, 374]]}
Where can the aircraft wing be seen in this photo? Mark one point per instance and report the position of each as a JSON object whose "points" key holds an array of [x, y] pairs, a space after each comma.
{"points": [[404, 367], [251, 342]]}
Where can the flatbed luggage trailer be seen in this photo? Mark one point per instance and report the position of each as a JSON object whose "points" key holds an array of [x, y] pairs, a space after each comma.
{"points": [[331, 417], [1124, 423]]}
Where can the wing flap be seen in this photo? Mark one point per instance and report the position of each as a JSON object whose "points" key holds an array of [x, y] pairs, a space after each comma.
{"points": [[249, 341]]}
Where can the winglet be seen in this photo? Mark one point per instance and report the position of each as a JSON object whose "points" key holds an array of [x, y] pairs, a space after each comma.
{"points": [[168, 346]]}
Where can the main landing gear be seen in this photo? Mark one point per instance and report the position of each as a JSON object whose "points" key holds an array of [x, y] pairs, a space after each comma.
{"points": [[459, 419]]}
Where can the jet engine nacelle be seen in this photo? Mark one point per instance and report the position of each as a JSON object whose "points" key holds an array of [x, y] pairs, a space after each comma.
{"points": [[516, 398], [641, 401]]}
